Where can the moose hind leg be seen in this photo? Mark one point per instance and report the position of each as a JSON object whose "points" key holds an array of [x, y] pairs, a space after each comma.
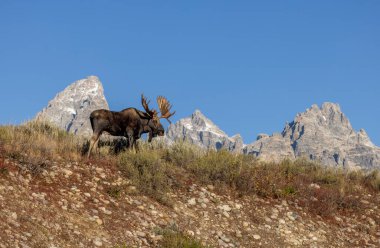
{"points": [[96, 146], [93, 141]]}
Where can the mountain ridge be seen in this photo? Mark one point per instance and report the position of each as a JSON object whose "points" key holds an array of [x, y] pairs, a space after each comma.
{"points": [[321, 133]]}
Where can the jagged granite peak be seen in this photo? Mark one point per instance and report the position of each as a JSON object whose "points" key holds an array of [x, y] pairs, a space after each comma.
{"points": [[199, 130], [320, 133], [274, 147], [71, 108]]}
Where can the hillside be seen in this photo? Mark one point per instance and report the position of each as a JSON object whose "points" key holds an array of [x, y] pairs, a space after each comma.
{"points": [[182, 196]]}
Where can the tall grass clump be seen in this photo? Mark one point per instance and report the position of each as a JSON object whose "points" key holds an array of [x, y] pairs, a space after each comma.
{"points": [[182, 154], [222, 168], [150, 173], [372, 180], [34, 143]]}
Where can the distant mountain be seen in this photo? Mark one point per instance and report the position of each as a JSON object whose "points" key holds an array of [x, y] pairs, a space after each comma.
{"points": [[321, 134], [71, 108], [199, 130]]}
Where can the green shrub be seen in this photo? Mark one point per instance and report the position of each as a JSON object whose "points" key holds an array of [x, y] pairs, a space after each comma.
{"points": [[173, 239], [182, 154], [288, 190], [114, 191], [147, 171], [220, 167]]}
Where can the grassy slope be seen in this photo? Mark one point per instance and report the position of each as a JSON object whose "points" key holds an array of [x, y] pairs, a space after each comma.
{"points": [[157, 171]]}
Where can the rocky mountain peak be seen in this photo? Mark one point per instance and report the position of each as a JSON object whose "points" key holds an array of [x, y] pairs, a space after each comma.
{"points": [[199, 120], [71, 108], [327, 115], [201, 131], [320, 133]]}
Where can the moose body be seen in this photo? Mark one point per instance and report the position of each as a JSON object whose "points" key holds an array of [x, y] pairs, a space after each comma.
{"points": [[127, 123], [130, 122]]}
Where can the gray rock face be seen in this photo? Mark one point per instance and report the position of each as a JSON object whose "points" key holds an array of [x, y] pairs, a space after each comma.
{"points": [[273, 147], [71, 108], [323, 134], [201, 131]]}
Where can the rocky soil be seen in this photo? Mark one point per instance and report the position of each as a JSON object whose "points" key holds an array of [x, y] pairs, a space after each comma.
{"points": [[86, 205]]}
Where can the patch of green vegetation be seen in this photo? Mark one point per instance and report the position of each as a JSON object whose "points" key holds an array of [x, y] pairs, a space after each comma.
{"points": [[114, 191], [223, 168], [148, 172], [173, 239], [182, 154], [288, 190]]}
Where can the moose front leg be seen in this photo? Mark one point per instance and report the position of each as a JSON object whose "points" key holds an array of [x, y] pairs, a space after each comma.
{"points": [[150, 136], [129, 134], [136, 145]]}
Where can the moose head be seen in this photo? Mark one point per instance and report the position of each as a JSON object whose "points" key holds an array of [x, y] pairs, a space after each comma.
{"points": [[164, 106]]}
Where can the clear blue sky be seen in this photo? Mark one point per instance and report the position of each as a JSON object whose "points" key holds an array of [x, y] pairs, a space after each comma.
{"points": [[250, 66]]}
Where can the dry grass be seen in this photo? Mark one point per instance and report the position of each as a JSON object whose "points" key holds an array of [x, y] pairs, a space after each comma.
{"points": [[148, 172], [371, 180], [36, 144], [156, 170], [321, 190]]}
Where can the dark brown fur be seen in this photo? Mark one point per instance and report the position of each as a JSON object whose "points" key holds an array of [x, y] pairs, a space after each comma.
{"points": [[127, 123], [130, 122]]}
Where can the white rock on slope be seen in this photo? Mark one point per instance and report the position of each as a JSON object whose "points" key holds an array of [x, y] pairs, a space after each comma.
{"points": [[71, 108]]}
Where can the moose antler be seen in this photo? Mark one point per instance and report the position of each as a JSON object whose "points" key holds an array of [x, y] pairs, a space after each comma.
{"points": [[165, 107], [145, 103]]}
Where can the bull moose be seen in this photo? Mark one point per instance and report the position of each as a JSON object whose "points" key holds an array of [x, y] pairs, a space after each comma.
{"points": [[130, 122]]}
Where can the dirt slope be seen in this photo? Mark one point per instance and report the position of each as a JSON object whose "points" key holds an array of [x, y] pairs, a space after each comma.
{"points": [[87, 205]]}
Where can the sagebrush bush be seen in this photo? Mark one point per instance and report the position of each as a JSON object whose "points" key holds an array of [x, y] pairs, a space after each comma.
{"points": [[147, 171], [182, 154]]}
